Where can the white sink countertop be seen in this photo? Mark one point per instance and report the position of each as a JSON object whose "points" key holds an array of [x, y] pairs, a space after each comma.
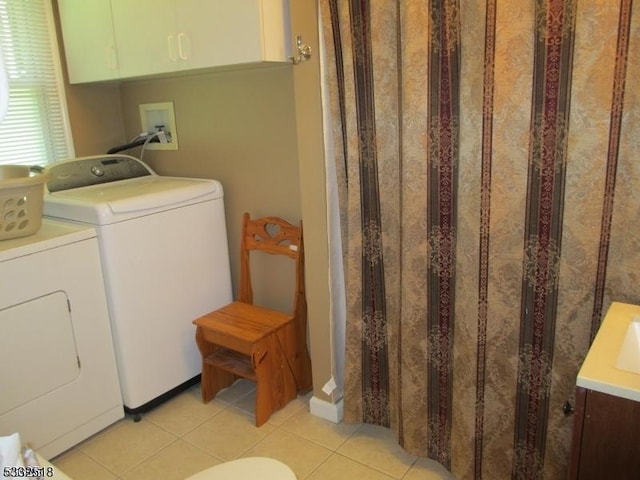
{"points": [[599, 371]]}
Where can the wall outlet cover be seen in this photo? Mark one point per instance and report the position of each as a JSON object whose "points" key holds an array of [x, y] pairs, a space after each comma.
{"points": [[159, 116]]}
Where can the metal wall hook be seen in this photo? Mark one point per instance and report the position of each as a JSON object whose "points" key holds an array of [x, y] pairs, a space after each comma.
{"points": [[304, 52]]}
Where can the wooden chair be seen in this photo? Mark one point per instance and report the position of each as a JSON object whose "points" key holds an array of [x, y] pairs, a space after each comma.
{"points": [[244, 340]]}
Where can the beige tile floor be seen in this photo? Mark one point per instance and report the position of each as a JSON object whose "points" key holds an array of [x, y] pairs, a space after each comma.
{"points": [[184, 436]]}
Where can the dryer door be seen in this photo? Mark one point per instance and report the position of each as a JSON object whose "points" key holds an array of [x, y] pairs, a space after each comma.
{"points": [[38, 349]]}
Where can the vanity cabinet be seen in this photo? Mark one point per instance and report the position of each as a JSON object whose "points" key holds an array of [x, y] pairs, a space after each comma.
{"points": [[154, 37], [606, 437]]}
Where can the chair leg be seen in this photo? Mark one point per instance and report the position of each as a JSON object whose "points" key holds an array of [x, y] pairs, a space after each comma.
{"points": [[212, 379], [263, 366], [263, 406], [297, 356], [303, 370], [276, 384]]}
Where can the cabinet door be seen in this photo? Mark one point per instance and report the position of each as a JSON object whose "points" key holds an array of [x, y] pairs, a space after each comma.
{"points": [[89, 42], [213, 33], [606, 440], [276, 31], [145, 36]]}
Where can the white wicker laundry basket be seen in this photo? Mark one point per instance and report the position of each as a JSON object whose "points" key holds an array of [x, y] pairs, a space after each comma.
{"points": [[21, 200]]}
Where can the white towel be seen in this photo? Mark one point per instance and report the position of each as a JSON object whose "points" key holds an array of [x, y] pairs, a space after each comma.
{"points": [[10, 452]]}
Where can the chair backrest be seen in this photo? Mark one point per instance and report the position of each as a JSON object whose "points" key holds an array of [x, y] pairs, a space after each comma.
{"points": [[274, 236]]}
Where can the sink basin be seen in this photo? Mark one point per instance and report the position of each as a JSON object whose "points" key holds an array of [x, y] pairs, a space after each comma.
{"points": [[612, 364], [629, 356]]}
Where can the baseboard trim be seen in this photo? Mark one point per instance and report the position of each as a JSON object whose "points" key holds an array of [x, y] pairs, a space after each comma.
{"points": [[327, 410]]}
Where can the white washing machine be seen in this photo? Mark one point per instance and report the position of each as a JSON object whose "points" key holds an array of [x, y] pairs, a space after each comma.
{"points": [[163, 244], [58, 378]]}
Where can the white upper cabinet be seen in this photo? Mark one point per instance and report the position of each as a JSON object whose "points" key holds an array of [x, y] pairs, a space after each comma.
{"points": [[89, 42], [153, 37], [219, 32], [142, 28]]}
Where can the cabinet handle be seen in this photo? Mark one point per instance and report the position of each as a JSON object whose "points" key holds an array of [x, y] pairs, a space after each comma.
{"points": [[184, 47], [171, 48]]}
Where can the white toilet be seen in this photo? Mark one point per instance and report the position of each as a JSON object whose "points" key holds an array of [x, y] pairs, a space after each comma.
{"points": [[247, 468]]}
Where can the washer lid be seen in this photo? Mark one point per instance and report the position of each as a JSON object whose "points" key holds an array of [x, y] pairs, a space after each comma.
{"points": [[125, 199]]}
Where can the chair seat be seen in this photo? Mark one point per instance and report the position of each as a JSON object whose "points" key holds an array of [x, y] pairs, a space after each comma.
{"points": [[240, 326]]}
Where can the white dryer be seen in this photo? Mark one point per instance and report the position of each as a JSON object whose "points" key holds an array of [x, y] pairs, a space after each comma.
{"points": [[58, 377], [163, 244]]}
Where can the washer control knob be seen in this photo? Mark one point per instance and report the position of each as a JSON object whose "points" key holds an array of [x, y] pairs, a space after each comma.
{"points": [[97, 171]]}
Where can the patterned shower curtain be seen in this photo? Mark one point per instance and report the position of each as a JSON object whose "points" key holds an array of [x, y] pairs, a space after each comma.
{"points": [[488, 155]]}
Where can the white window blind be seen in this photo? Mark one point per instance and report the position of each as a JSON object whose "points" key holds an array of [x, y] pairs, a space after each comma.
{"points": [[35, 129]]}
